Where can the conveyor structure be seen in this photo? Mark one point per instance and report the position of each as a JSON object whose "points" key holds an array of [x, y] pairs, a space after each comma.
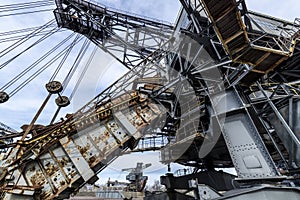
{"points": [[61, 158], [212, 90]]}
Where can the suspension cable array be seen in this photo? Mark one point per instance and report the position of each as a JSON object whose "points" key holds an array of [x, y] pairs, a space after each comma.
{"points": [[25, 8]]}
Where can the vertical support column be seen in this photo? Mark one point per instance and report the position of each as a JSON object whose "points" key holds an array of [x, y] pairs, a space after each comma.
{"points": [[247, 150]]}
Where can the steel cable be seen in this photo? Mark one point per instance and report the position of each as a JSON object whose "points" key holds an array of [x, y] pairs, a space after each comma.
{"points": [[40, 70], [53, 31], [16, 78], [64, 58], [76, 63], [26, 38], [83, 72]]}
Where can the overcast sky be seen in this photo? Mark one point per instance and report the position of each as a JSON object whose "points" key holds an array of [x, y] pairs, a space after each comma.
{"points": [[22, 107], [288, 9]]}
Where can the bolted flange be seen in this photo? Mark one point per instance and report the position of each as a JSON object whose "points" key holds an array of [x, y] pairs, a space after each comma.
{"points": [[62, 101], [54, 87], [3, 97]]}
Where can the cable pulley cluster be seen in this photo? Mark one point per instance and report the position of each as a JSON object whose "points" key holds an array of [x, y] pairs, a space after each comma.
{"points": [[65, 52], [55, 87], [26, 39]]}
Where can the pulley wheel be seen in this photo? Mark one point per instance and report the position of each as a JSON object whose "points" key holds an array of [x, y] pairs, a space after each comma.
{"points": [[54, 87], [3, 97], [62, 101]]}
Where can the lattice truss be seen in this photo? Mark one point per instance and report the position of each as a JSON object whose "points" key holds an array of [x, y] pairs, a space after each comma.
{"points": [[179, 78]]}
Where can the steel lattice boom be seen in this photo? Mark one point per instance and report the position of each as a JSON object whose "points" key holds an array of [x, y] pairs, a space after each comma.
{"points": [[217, 89]]}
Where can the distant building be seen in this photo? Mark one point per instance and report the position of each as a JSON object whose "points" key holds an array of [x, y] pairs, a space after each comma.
{"points": [[106, 193]]}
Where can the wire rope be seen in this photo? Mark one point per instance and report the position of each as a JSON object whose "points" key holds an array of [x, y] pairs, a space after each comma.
{"points": [[16, 78], [53, 31], [20, 30], [26, 38], [24, 6], [64, 58], [39, 71], [14, 38], [83, 72], [76, 63], [24, 13]]}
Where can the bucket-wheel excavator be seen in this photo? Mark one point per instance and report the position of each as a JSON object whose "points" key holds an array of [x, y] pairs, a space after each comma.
{"points": [[221, 86]]}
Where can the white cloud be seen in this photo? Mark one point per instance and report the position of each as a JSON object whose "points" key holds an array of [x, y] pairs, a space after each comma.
{"points": [[163, 10], [288, 9]]}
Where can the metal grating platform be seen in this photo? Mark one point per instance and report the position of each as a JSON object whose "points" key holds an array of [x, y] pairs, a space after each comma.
{"points": [[262, 51]]}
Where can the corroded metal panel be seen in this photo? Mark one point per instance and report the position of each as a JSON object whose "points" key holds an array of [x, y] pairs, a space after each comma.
{"points": [[65, 157]]}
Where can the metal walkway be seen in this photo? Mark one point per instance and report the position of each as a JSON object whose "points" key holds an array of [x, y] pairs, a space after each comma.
{"points": [[262, 51]]}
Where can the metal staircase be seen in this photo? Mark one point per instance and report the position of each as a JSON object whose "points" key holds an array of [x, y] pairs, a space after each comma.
{"points": [[262, 50]]}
